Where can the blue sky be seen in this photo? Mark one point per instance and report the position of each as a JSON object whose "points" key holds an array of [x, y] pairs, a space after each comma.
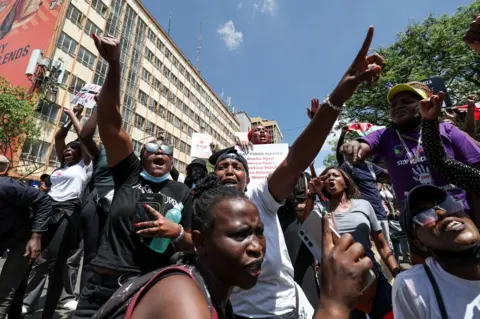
{"points": [[273, 56]]}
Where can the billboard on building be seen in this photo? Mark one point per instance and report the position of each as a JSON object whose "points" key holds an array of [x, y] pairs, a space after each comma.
{"points": [[25, 25]]}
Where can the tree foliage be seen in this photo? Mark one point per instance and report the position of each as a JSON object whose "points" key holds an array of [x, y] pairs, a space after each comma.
{"points": [[433, 47], [18, 117]]}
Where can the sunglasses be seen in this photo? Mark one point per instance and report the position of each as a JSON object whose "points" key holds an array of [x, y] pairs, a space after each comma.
{"points": [[154, 147], [449, 206]]}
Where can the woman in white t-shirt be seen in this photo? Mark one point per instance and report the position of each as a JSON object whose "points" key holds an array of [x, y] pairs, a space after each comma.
{"points": [[448, 284], [68, 184]]}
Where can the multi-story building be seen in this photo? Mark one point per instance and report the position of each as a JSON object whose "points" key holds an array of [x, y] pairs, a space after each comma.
{"points": [[276, 135], [162, 93], [244, 121]]}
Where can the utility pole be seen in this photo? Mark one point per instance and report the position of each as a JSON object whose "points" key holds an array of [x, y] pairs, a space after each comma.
{"points": [[199, 48], [169, 24]]}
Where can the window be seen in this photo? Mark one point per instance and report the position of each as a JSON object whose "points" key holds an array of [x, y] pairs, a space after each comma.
{"points": [[53, 160], [139, 122], [161, 111], [152, 36], [174, 79], [100, 7], [160, 45], [35, 151], [66, 75], [177, 122], [183, 146], [146, 76], [91, 27], [181, 69], [156, 84], [190, 131], [170, 117], [149, 55], [48, 111], [67, 44], [86, 57], [175, 62], [176, 142], [158, 64], [137, 147], [100, 72], [185, 109], [152, 105], [187, 76], [75, 15], [189, 149], [76, 84], [150, 128], [142, 97], [168, 54]]}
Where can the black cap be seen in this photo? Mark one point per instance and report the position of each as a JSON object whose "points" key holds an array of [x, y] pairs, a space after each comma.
{"points": [[230, 152], [198, 161], [420, 198]]}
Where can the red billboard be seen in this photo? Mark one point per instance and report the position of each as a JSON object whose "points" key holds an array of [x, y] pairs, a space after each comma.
{"points": [[25, 25]]}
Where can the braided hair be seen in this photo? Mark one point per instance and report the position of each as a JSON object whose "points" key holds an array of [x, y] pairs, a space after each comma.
{"points": [[208, 193]]}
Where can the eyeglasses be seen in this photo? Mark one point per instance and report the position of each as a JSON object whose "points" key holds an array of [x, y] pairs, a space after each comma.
{"points": [[154, 147], [449, 206]]}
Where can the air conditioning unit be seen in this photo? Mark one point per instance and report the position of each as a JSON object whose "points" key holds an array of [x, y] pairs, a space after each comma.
{"points": [[34, 60]]}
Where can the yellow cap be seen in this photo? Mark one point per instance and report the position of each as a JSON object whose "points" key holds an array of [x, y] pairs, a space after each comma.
{"points": [[405, 88]]}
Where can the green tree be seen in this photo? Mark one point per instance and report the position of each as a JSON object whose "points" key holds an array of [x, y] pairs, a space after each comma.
{"points": [[433, 47], [18, 118]]}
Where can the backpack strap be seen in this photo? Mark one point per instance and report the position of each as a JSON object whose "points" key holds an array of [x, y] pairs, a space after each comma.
{"points": [[160, 275], [436, 290]]}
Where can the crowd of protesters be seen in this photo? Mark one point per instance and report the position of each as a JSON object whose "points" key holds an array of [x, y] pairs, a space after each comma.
{"points": [[214, 247]]}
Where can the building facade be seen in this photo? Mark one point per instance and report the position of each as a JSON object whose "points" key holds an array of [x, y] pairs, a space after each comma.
{"points": [[276, 135], [244, 121], [161, 91]]}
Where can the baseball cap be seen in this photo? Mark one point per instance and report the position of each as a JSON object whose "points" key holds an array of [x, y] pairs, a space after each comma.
{"points": [[198, 161], [421, 201], [405, 88]]}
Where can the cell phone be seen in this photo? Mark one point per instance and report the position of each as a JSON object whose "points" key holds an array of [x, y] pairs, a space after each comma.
{"points": [[154, 200], [311, 234]]}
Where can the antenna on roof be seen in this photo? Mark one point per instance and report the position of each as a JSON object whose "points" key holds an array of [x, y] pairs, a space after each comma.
{"points": [[199, 48], [169, 24]]}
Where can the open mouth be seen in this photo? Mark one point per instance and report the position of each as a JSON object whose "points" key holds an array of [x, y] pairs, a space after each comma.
{"points": [[229, 182], [159, 161], [255, 268], [452, 224], [331, 184]]}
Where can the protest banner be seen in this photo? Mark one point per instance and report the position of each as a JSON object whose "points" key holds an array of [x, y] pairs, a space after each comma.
{"points": [[263, 160], [437, 84], [201, 145], [86, 96]]}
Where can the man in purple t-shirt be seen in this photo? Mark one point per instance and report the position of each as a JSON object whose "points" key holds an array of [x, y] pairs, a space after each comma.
{"points": [[401, 146]]}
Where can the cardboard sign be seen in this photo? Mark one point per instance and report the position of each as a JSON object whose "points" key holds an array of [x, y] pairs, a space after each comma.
{"points": [[263, 160], [86, 96], [201, 145], [437, 84]]}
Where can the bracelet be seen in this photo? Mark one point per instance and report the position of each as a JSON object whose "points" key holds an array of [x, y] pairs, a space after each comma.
{"points": [[331, 105], [180, 236]]}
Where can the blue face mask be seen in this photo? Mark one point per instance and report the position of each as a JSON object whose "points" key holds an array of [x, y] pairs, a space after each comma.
{"points": [[154, 179]]}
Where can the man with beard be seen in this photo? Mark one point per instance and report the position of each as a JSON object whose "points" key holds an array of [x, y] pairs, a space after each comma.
{"points": [[448, 285]]}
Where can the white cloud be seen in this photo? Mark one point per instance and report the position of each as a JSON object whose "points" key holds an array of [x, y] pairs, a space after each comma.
{"points": [[268, 7], [232, 38]]}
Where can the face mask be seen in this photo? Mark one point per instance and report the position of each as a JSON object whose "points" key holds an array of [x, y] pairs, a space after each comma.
{"points": [[154, 179]]}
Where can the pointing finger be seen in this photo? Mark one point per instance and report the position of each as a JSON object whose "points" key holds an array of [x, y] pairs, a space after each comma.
{"points": [[365, 46]]}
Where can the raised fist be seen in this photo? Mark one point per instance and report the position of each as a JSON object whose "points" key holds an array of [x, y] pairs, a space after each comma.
{"points": [[108, 48]]}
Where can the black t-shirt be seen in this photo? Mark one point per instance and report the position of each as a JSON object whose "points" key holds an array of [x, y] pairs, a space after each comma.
{"points": [[366, 180], [121, 248]]}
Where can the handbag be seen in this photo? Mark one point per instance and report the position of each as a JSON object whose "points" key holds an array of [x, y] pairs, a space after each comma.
{"points": [[367, 297]]}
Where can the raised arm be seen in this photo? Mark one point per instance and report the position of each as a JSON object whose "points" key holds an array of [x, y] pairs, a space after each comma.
{"points": [[311, 140], [118, 144], [87, 133], [470, 125], [62, 134], [78, 128], [452, 170], [340, 142]]}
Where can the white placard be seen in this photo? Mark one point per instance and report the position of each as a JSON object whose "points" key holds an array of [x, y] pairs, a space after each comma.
{"points": [[263, 160], [201, 145], [86, 96]]}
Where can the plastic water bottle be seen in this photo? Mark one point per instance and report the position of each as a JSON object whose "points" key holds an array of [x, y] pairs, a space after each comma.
{"points": [[174, 215]]}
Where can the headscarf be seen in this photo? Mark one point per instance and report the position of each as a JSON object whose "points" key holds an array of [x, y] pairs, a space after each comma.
{"points": [[250, 133]]}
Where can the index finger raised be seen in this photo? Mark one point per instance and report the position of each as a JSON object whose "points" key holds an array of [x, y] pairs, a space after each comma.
{"points": [[365, 46]]}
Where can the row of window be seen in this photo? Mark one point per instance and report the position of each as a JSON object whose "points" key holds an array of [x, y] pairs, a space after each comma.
{"points": [[77, 18], [37, 152], [67, 44]]}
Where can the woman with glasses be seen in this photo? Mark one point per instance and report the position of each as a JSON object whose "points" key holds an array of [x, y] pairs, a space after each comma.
{"points": [[137, 237]]}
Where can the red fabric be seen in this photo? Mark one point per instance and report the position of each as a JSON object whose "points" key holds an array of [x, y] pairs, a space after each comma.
{"points": [[250, 133], [389, 315], [140, 293], [362, 127], [464, 108]]}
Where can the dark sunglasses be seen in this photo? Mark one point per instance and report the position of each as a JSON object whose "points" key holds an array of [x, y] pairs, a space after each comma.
{"points": [[449, 206], [154, 147]]}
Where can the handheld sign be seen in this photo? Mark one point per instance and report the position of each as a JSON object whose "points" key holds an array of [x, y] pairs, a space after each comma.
{"points": [[201, 145], [86, 96], [437, 84]]}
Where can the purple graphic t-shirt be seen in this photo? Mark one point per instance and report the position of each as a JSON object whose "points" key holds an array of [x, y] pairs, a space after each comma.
{"points": [[408, 170]]}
